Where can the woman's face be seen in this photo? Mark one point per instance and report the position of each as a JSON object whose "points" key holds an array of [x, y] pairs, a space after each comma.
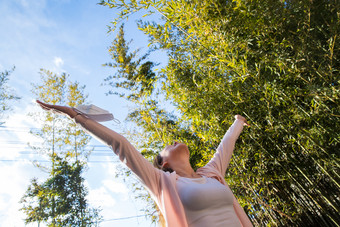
{"points": [[175, 154]]}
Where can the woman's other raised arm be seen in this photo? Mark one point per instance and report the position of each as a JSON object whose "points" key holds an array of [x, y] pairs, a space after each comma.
{"points": [[224, 151], [126, 152]]}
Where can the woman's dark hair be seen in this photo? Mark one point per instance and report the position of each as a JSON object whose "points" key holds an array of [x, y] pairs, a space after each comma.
{"points": [[158, 162]]}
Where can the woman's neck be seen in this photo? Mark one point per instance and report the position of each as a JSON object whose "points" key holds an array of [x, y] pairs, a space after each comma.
{"points": [[187, 171]]}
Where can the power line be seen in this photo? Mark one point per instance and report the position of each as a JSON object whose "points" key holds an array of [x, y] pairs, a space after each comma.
{"points": [[26, 150], [22, 142], [117, 219], [46, 161], [18, 147]]}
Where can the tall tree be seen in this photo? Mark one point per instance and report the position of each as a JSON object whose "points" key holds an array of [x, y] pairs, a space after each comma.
{"points": [[275, 62], [6, 94], [60, 199], [66, 186]]}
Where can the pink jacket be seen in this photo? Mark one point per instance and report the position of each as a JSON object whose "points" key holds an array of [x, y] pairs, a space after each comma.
{"points": [[162, 185]]}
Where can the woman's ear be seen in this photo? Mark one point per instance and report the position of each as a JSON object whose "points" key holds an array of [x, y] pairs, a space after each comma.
{"points": [[165, 165]]}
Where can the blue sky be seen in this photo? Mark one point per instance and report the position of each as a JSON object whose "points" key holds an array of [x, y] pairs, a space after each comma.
{"points": [[61, 36]]}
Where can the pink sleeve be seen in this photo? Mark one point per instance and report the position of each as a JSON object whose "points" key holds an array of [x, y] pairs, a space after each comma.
{"points": [[224, 151], [145, 171], [242, 216]]}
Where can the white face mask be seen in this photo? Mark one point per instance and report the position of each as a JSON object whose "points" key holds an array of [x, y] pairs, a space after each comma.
{"points": [[95, 113]]}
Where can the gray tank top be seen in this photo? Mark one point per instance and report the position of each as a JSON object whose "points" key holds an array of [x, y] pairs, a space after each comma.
{"points": [[207, 202]]}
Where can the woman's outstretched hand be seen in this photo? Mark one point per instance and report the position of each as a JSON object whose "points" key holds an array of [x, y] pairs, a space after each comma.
{"points": [[64, 110], [239, 117]]}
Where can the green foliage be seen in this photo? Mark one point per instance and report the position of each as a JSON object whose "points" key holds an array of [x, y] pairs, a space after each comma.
{"points": [[275, 62], [60, 135], [60, 200], [67, 187], [6, 94], [132, 74]]}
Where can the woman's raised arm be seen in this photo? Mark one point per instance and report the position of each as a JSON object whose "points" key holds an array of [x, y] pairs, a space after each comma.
{"points": [[224, 151], [127, 153]]}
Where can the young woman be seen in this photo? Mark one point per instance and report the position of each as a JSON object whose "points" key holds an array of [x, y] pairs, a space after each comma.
{"points": [[186, 198]]}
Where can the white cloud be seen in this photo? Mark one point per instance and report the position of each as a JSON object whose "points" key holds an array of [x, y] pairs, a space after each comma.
{"points": [[58, 62], [101, 197], [112, 168], [15, 135], [15, 177], [111, 181], [37, 4], [115, 186], [16, 170]]}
